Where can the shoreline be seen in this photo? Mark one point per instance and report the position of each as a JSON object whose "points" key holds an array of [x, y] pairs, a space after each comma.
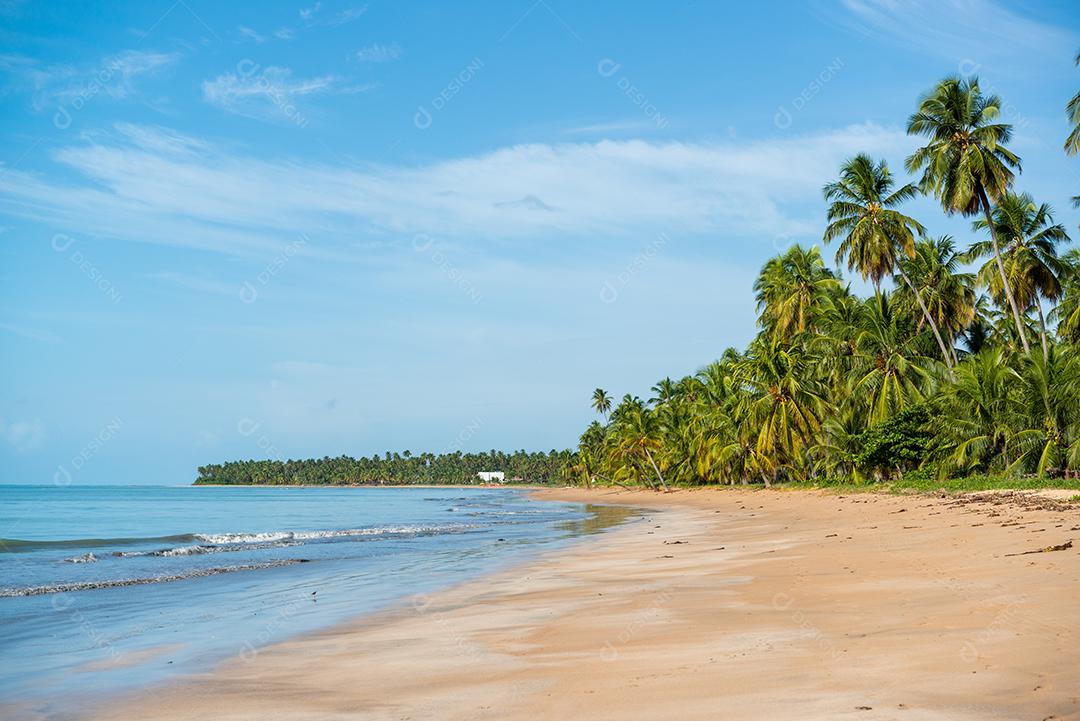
{"points": [[727, 604]]}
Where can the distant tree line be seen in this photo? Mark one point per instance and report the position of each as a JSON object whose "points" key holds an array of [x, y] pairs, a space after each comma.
{"points": [[391, 469]]}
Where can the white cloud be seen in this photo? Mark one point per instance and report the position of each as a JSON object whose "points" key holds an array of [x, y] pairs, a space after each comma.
{"points": [[376, 53], [158, 186], [971, 33], [618, 126], [269, 93], [314, 16], [22, 435], [31, 333], [283, 34], [115, 76], [250, 34], [200, 285]]}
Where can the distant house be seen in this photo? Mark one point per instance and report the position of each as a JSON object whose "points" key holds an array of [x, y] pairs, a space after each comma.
{"points": [[489, 476]]}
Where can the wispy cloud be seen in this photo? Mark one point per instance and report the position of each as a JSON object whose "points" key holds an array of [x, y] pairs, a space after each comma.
{"points": [[314, 16], [376, 53], [22, 435], [247, 33], [32, 333], [975, 32], [200, 285], [116, 76], [615, 127], [283, 34], [270, 93], [150, 184]]}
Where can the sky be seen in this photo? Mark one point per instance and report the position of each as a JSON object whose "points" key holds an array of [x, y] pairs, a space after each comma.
{"points": [[293, 230]]}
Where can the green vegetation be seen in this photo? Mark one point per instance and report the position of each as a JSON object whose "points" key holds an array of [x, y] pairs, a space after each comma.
{"points": [[941, 379], [919, 482], [391, 469]]}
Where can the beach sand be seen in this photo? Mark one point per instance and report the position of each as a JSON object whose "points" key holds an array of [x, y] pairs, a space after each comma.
{"points": [[718, 604]]}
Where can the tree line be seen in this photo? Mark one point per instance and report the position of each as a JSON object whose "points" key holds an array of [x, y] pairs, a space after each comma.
{"points": [[964, 360], [390, 469]]}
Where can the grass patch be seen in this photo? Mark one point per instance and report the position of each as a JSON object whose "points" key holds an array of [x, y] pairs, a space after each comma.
{"points": [[922, 484], [916, 482]]}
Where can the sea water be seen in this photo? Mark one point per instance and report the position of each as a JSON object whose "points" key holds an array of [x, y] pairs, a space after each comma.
{"points": [[111, 587]]}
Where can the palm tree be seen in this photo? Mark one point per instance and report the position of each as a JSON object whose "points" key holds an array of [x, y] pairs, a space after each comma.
{"points": [[1072, 111], [890, 370], [875, 235], [947, 294], [601, 402], [965, 164], [665, 391], [1067, 312], [1049, 411], [784, 403], [791, 289], [1030, 252], [976, 428], [637, 434]]}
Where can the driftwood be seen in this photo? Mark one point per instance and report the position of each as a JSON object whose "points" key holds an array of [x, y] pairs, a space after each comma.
{"points": [[1060, 547]]}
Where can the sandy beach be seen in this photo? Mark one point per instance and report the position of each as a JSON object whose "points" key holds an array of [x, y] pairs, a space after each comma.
{"points": [[722, 604]]}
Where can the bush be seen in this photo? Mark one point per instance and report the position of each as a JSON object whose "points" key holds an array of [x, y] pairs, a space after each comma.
{"points": [[896, 445]]}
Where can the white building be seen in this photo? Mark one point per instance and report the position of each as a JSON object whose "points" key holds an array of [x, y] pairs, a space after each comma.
{"points": [[489, 476]]}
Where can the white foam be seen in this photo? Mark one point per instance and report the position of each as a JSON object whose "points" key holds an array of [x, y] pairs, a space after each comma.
{"points": [[269, 536]]}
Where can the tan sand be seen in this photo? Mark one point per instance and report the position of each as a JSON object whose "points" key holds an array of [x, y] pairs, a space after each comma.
{"points": [[718, 605]]}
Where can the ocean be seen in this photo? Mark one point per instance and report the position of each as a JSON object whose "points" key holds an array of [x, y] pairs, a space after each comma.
{"points": [[108, 588]]}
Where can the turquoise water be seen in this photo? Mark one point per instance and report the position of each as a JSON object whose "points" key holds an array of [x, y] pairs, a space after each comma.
{"points": [[105, 588]]}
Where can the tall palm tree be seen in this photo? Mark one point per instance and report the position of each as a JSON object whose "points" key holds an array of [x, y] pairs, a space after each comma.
{"points": [[601, 402], [874, 235], [1072, 110], [947, 293], [965, 164], [637, 434], [1030, 253]]}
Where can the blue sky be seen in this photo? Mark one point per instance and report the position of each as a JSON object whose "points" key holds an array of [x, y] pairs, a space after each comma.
{"points": [[235, 230]]}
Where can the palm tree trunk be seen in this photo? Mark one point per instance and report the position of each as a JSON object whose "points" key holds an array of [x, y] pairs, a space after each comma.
{"points": [[1042, 325], [952, 349], [662, 481], [929, 319], [1001, 270]]}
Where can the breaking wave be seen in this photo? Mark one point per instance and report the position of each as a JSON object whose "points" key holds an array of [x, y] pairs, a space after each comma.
{"points": [[119, 583]]}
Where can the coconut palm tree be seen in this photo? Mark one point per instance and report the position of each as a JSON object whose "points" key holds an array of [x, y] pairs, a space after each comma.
{"points": [[791, 289], [1031, 238], [1049, 411], [890, 370], [874, 235], [965, 164], [637, 434], [783, 402], [1067, 312], [601, 402], [1072, 111], [947, 294], [665, 391], [975, 423]]}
